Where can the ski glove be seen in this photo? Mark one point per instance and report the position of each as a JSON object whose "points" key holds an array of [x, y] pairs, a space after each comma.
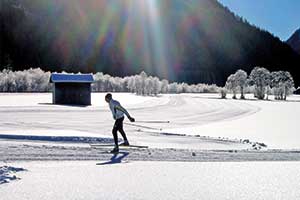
{"points": [[131, 119]]}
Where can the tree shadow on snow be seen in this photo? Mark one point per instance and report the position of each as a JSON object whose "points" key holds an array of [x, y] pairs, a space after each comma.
{"points": [[115, 159]]}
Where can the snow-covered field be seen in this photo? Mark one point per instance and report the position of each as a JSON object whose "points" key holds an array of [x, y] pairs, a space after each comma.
{"points": [[155, 180], [271, 122], [202, 128]]}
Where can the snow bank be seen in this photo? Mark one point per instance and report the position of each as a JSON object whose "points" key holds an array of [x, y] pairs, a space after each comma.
{"points": [[7, 173]]}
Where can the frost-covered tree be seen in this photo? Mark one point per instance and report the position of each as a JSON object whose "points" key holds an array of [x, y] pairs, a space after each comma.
{"points": [[164, 86], [36, 80], [282, 83], [268, 92], [156, 86], [288, 84], [223, 92], [260, 77], [186, 88], [241, 79], [172, 88], [276, 85], [142, 80], [231, 84], [96, 86], [31, 80], [131, 84], [39, 80]]}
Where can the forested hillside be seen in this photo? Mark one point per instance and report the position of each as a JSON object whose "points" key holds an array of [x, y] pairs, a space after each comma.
{"points": [[195, 41]]}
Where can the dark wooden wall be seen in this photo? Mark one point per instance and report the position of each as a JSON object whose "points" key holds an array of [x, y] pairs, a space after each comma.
{"points": [[72, 93]]}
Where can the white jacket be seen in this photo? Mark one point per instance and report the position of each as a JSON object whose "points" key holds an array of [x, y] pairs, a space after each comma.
{"points": [[117, 110]]}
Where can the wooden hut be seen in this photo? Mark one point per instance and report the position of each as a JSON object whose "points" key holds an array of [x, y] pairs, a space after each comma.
{"points": [[72, 89]]}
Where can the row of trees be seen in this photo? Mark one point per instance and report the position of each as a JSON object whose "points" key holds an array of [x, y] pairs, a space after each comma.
{"points": [[36, 80], [31, 80], [264, 82], [261, 82], [142, 84]]}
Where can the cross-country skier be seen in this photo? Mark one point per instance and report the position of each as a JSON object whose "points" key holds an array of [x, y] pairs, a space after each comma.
{"points": [[118, 114]]}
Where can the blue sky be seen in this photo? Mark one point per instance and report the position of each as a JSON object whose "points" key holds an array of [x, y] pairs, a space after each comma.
{"points": [[280, 17]]}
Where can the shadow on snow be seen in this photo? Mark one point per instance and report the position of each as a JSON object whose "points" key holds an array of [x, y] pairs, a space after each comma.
{"points": [[115, 159]]}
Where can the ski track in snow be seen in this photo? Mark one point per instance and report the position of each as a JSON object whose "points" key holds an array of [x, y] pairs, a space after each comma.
{"points": [[39, 151], [54, 132], [181, 110]]}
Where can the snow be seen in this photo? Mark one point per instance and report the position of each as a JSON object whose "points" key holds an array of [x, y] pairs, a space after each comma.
{"points": [[69, 78], [200, 154], [96, 121], [42, 100], [197, 121], [7, 173], [276, 124], [155, 180]]}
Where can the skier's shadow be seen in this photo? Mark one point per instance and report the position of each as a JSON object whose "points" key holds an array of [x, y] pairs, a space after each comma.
{"points": [[115, 159]]}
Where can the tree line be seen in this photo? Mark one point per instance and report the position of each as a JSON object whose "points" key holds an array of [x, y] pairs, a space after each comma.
{"points": [[261, 82], [37, 80]]}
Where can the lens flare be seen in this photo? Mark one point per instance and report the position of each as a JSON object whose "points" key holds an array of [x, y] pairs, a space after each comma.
{"points": [[141, 35]]}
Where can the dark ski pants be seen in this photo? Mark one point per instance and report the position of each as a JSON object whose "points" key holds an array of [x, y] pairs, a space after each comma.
{"points": [[118, 126]]}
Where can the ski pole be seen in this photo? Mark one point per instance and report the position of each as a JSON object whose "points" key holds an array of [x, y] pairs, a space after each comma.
{"points": [[140, 126], [152, 121]]}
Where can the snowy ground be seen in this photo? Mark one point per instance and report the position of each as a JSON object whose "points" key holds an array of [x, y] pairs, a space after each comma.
{"points": [[271, 122], [155, 180], [206, 132], [7, 173], [275, 123]]}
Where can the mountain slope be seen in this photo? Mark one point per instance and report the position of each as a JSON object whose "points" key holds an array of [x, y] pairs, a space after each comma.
{"points": [[294, 41], [192, 41]]}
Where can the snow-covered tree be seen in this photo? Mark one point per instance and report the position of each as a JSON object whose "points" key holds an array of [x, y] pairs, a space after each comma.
{"points": [[172, 88], [36, 80], [31, 80], [223, 92], [142, 80], [156, 86], [231, 84], [98, 85], [131, 84], [241, 79], [282, 83], [260, 78], [164, 86], [268, 91]]}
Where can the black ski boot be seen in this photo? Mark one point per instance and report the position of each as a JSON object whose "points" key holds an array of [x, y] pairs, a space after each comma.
{"points": [[125, 143], [115, 150]]}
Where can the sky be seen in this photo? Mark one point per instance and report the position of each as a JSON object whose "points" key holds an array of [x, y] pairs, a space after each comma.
{"points": [[280, 17]]}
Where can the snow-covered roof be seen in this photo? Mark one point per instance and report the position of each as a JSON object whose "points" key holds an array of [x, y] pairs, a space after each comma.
{"points": [[71, 78]]}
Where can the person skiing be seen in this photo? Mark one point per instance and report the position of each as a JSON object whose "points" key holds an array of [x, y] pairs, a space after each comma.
{"points": [[118, 114]]}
